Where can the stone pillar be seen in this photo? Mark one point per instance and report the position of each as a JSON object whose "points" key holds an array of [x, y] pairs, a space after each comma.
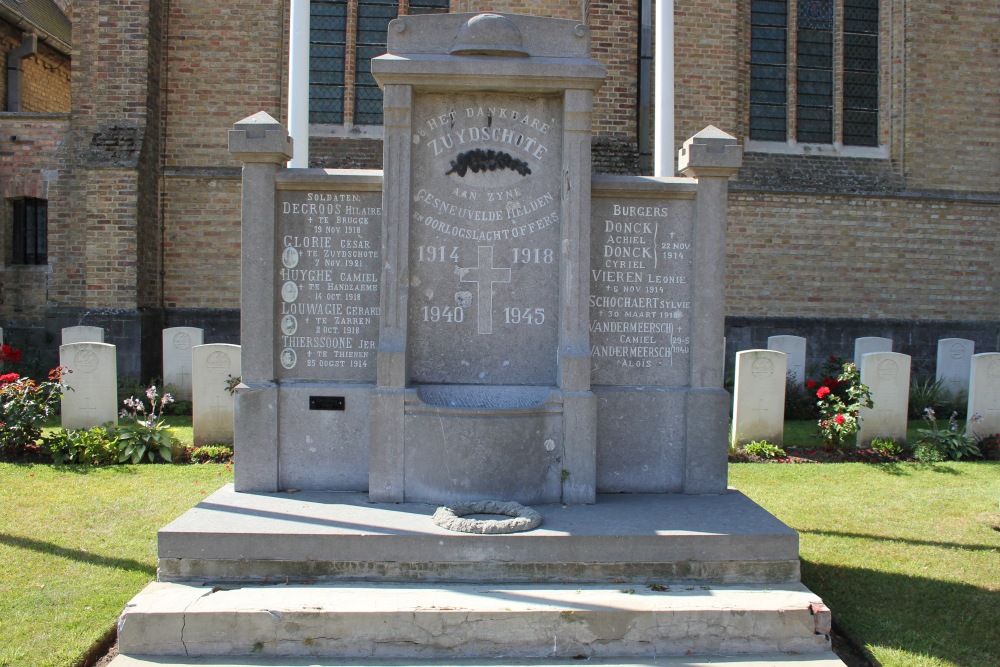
{"points": [[579, 403], [263, 145], [711, 156], [386, 448]]}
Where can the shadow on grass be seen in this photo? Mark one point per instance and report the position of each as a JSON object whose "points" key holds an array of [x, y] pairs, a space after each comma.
{"points": [[921, 543], [901, 469], [952, 621], [80, 468], [77, 555]]}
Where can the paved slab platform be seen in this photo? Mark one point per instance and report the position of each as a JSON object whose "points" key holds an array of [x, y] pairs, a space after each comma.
{"points": [[250, 537], [768, 660], [458, 620]]}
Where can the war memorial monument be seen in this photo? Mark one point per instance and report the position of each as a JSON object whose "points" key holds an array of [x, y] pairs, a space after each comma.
{"points": [[484, 337]]}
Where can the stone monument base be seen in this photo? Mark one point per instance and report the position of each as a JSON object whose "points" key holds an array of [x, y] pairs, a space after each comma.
{"points": [[269, 579]]}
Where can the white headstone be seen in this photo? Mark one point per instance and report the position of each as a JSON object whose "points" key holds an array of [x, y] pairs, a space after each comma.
{"points": [[863, 346], [759, 396], [211, 366], [887, 375], [795, 348], [177, 344], [984, 394], [82, 334], [90, 395], [954, 363]]}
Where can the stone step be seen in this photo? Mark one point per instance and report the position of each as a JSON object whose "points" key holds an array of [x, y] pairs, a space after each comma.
{"points": [[827, 659], [257, 538], [459, 621]]}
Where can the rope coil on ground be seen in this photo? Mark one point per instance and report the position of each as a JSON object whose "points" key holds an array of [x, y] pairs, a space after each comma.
{"points": [[450, 517]]}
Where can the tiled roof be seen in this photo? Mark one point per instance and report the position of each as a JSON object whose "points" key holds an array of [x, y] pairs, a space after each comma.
{"points": [[44, 15]]}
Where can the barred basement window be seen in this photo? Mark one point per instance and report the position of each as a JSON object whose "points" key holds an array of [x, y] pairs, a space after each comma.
{"points": [[823, 45], [344, 36], [30, 243]]}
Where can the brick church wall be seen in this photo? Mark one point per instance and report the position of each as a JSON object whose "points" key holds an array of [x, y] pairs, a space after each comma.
{"points": [[951, 127], [45, 76], [31, 165], [874, 257]]}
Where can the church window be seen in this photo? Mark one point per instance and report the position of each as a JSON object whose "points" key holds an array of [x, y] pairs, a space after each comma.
{"points": [[29, 231], [344, 36], [814, 71]]}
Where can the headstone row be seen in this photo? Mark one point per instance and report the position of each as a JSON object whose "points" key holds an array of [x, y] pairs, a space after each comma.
{"points": [[759, 396], [90, 396], [954, 358]]}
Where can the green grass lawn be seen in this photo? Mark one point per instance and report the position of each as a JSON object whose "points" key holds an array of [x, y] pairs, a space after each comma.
{"points": [[76, 543], [906, 555]]}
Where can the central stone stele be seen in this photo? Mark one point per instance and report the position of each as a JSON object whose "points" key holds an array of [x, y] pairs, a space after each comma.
{"points": [[484, 320]]}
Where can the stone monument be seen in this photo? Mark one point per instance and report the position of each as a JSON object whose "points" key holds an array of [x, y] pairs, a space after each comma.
{"points": [[90, 394], [177, 369], [484, 322], [759, 400]]}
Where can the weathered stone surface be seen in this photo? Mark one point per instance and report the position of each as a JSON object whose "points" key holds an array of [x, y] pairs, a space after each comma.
{"points": [[869, 344], [306, 535], [887, 375], [759, 401], [984, 394], [428, 621], [177, 344], [213, 367], [954, 365], [90, 397], [82, 334], [795, 349]]}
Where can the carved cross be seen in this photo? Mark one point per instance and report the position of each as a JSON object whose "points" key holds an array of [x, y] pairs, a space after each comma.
{"points": [[485, 275]]}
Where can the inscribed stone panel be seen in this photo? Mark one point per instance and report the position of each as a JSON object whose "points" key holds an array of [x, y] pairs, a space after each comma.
{"points": [[212, 409], [759, 396], [954, 364], [984, 394], [328, 271], [795, 348], [484, 239], [177, 344], [90, 397], [640, 291], [887, 375], [82, 335]]}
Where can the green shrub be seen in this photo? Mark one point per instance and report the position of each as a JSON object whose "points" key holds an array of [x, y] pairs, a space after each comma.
{"points": [[24, 405], [800, 403], [143, 434], [887, 447], [763, 449], [212, 454], [926, 393], [950, 443], [97, 446], [839, 401]]}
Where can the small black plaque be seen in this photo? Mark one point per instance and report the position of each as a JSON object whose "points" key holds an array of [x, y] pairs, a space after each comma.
{"points": [[326, 403]]}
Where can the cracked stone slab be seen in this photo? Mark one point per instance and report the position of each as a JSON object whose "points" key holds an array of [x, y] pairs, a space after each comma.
{"points": [[427, 621], [766, 660], [247, 537]]}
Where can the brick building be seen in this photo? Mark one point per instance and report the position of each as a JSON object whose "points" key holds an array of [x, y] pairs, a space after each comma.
{"points": [[867, 205]]}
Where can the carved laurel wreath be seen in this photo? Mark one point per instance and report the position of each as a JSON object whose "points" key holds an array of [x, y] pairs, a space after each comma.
{"points": [[522, 518], [478, 160]]}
